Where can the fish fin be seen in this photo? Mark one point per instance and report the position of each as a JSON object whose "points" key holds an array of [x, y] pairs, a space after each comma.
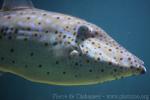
{"points": [[16, 5]]}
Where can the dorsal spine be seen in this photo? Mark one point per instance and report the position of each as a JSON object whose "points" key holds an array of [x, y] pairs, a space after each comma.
{"points": [[16, 4]]}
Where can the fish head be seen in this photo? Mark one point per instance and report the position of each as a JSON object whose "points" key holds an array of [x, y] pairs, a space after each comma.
{"points": [[98, 51], [90, 55]]}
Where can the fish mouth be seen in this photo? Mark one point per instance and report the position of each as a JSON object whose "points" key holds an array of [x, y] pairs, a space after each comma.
{"points": [[142, 70]]}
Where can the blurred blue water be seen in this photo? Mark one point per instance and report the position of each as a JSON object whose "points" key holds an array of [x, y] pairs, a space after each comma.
{"points": [[127, 21]]}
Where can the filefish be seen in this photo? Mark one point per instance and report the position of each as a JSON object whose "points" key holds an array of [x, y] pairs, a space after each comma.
{"points": [[58, 49]]}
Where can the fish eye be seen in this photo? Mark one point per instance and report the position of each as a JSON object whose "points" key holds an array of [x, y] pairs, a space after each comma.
{"points": [[83, 30], [83, 33]]}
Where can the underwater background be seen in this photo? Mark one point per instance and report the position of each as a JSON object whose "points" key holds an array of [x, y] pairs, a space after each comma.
{"points": [[127, 21]]}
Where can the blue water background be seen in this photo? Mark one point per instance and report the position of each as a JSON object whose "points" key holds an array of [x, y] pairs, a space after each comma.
{"points": [[127, 21]]}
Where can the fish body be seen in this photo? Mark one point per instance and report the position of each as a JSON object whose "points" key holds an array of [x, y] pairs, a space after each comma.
{"points": [[59, 49]]}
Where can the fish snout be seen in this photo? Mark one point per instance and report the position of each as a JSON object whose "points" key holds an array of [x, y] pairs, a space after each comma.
{"points": [[141, 69], [112, 57], [131, 62]]}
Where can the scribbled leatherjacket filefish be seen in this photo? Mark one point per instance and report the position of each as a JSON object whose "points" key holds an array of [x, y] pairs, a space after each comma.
{"points": [[58, 49]]}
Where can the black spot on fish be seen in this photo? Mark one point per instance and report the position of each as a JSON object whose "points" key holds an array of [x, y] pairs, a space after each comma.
{"points": [[56, 32], [82, 45], [28, 18], [93, 43], [102, 70], [121, 58], [28, 28], [2, 30], [55, 43], [60, 42], [64, 73], [98, 58], [75, 76], [44, 14], [64, 36], [86, 52], [78, 22], [31, 54], [11, 28], [109, 63], [26, 66], [59, 35], [74, 33], [57, 17], [69, 18], [4, 34], [13, 61], [46, 44], [57, 62], [46, 32], [115, 70], [67, 27], [80, 55], [87, 61], [8, 17], [11, 50], [68, 42], [110, 50], [48, 73], [25, 39], [121, 77], [121, 51], [76, 64], [131, 67], [116, 78], [100, 53], [0, 37], [95, 61], [39, 23], [2, 58], [90, 70], [76, 41], [39, 65], [129, 58], [78, 36], [6, 29], [9, 37], [96, 32], [35, 35]]}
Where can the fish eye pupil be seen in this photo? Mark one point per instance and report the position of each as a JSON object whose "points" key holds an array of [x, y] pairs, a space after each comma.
{"points": [[82, 33], [83, 29]]}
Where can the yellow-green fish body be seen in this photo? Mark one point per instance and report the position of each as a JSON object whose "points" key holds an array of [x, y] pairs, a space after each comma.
{"points": [[58, 49]]}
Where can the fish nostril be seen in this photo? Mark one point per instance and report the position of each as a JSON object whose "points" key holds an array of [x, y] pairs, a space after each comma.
{"points": [[74, 53]]}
